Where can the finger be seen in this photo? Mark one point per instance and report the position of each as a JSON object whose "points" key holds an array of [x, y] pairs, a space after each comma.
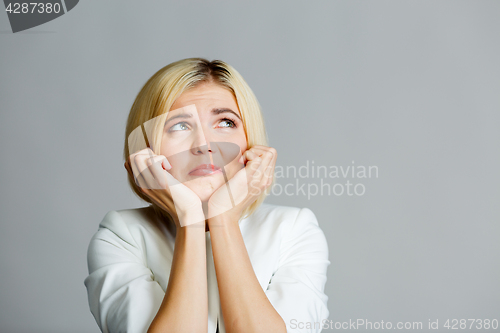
{"points": [[143, 163], [260, 150], [131, 172], [138, 168], [269, 169], [272, 164], [135, 171], [250, 155], [242, 159], [147, 151], [155, 165], [253, 163], [273, 168], [245, 157], [166, 164], [263, 150], [263, 171]]}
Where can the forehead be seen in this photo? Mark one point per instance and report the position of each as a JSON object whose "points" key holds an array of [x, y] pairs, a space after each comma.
{"points": [[207, 95]]}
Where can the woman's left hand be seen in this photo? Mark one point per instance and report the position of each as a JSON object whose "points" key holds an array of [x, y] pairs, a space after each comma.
{"points": [[246, 185]]}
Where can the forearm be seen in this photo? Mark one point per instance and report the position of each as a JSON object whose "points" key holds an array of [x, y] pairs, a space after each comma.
{"points": [[184, 307], [244, 304]]}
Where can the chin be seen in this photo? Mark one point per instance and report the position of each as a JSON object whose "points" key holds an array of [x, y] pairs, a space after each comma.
{"points": [[204, 193], [204, 196], [204, 188]]}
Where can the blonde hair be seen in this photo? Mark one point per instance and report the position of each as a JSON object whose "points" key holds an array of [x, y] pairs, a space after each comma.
{"points": [[159, 93]]}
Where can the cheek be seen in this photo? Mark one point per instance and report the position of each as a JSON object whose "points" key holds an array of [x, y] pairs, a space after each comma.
{"points": [[242, 147], [242, 142], [172, 146], [165, 147], [178, 160]]}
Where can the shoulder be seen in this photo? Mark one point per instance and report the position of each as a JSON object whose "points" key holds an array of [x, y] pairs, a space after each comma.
{"points": [[290, 220], [126, 224], [129, 217], [282, 214], [122, 236]]}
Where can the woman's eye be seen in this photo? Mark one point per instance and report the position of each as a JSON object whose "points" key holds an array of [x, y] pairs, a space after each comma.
{"points": [[227, 123], [182, 126]]}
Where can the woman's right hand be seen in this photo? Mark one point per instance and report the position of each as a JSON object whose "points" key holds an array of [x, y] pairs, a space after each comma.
{"points": [[150, 174]]}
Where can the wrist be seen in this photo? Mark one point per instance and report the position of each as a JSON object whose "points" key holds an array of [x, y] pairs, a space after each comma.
{"points": [[191, 236], [191, 216], [223, 211], [229, 217]]}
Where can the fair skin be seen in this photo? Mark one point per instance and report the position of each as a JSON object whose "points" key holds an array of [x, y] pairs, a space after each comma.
{"points": [[200, 197]]}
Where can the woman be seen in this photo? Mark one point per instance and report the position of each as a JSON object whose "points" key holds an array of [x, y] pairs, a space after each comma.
{"points": [[207, 255]]}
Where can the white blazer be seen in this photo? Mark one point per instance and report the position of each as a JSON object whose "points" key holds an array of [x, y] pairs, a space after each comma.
{"points": [[130, 256]]}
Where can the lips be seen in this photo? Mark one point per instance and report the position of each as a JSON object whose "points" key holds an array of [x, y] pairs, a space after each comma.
{"points": [[205, 170]]}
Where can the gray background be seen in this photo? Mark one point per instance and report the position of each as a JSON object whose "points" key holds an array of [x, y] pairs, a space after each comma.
{"points": [[409, 86]]}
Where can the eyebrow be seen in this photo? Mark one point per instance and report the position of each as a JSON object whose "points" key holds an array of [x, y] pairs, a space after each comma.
{"points": [[215, 111], [182, 115], [218, 111]]}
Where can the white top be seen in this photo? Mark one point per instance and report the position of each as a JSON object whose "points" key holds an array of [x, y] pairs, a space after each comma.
{"points": [[130, 256]]}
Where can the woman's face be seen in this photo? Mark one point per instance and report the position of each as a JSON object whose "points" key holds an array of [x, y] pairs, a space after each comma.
{"points": [[203, 138]]}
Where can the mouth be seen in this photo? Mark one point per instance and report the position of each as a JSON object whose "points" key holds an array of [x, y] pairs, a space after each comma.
{"points": [[205, 170]]}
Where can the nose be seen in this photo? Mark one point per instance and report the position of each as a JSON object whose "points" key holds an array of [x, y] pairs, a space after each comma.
{"points": [[202, 150], [202, 144]]}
